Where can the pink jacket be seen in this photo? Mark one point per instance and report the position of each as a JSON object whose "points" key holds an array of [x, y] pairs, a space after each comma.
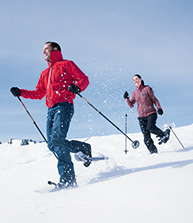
{"points": [[54, 81], [145, 99]]}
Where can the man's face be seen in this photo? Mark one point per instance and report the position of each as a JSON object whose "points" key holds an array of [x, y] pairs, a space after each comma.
{"points": [[47, 51]]}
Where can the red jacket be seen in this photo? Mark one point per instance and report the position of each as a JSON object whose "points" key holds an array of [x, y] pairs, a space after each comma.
{"points": [[54, 81], [145, 99]]}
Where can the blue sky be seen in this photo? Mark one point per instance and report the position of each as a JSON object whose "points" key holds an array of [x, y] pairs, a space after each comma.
{"points": [[110, 41]]}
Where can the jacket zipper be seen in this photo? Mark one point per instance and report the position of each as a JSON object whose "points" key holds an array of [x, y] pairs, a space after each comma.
{"points": [[50, 75]]}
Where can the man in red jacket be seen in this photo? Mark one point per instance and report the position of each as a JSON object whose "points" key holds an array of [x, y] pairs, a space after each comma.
{"points": [[59, 83]]}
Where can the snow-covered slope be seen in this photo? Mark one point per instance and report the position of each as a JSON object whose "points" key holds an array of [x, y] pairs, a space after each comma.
{"points": [[134, 187]]}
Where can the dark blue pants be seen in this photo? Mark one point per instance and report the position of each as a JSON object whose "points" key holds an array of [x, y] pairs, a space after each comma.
{"points": [[58, 122], [148, 125]]}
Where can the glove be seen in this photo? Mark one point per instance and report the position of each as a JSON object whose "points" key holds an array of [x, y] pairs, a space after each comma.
{"points": [[15, 91], [74, 89], [126, 95], [160, 111]]}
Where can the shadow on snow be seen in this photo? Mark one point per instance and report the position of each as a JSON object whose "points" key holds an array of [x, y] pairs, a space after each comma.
{"points": [[119, 171]]}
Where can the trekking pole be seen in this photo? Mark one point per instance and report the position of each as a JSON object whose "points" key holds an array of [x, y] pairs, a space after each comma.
{"points": [[135, 144], [35, 124], [173, 132], [126, 128]]}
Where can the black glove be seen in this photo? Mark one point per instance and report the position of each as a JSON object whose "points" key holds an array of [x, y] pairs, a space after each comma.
{"points": [[160, 111], [126, 95], [74, 89], [15, 91]]}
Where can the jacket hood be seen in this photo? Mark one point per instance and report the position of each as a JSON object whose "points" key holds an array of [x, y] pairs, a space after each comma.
{"points": [[55, 57]]}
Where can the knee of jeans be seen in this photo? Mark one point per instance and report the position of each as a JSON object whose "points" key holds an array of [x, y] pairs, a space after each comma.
{"points": [[57, 140], [56, 144]]}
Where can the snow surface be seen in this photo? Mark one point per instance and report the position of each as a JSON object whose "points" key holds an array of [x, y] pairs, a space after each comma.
{"points": [[135, 187]]}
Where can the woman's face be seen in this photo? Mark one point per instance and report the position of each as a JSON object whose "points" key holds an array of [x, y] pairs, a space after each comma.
{"points": [[137, 81]]}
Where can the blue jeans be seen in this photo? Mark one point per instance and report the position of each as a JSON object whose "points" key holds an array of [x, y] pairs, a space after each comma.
{"points": [[58, 122]]}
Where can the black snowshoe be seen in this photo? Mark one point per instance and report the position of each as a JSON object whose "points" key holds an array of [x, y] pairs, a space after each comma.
{"points": [[164, 138], [62, 186], [80, 156]]}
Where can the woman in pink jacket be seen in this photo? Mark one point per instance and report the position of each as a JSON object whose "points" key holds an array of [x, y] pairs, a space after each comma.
{"points": [[145, 99]]}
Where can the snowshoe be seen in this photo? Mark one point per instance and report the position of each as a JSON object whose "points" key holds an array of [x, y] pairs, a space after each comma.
{"points": [[164, 138], [62, 186], [80, 156]]}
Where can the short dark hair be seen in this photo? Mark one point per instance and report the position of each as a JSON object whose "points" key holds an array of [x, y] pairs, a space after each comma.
{"points": [[53, 45]]}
